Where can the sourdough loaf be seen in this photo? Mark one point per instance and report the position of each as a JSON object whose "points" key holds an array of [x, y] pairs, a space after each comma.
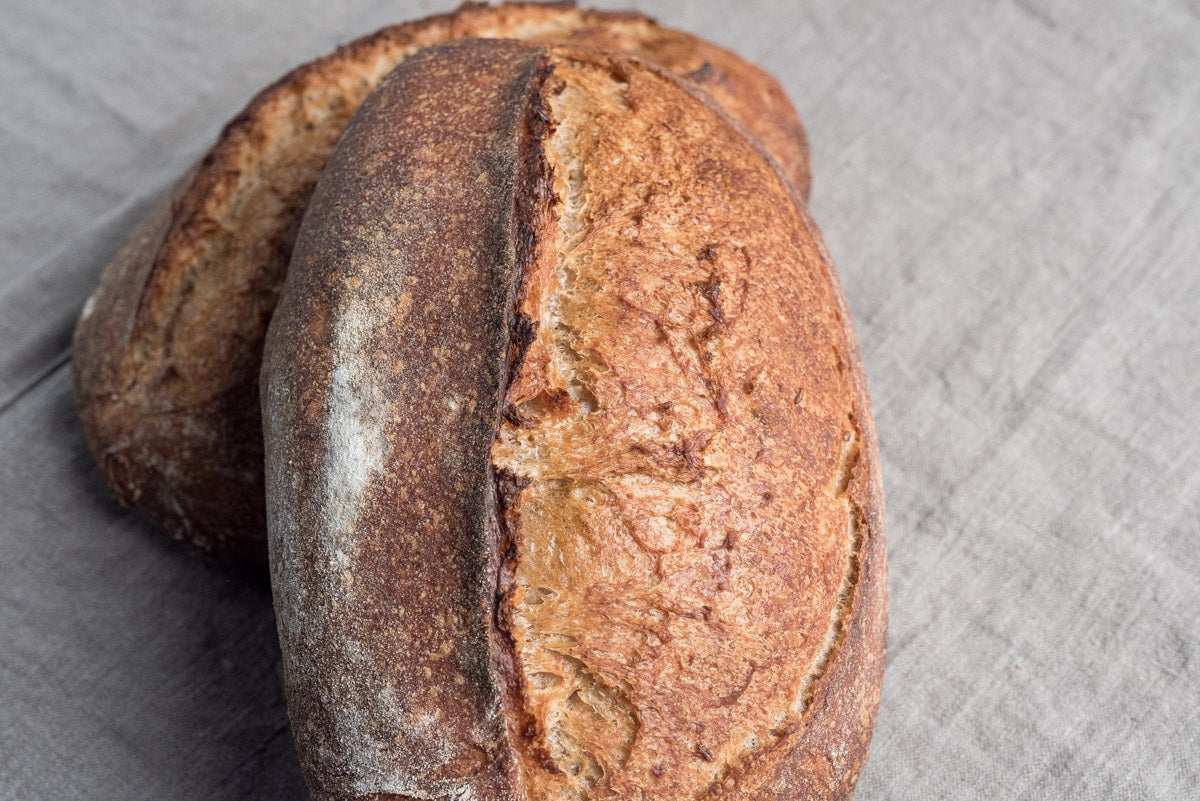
{"points": [[167, 352], [572, 483]]}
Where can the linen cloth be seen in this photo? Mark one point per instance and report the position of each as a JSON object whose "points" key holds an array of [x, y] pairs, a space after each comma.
{"points": [[1010, 192]]}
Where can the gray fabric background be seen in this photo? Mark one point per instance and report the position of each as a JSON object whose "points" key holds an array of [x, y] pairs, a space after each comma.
{"points": [[1010, 191]]}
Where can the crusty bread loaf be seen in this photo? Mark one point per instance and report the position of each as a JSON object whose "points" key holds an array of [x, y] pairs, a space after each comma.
{"points": [[167, 351], [572, 483]]}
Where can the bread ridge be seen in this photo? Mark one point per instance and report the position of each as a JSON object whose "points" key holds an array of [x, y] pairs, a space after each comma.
{"points": [[815, 754], [412, 227], [168, 365]]}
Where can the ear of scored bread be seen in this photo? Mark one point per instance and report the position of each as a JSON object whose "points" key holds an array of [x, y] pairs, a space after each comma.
{"points": [[167, 353], [572, 484]]}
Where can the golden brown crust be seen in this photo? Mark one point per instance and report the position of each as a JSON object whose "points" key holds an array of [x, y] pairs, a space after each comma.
{"points": [[822, 759], [667, 580], [172, 423], [671, 496]]}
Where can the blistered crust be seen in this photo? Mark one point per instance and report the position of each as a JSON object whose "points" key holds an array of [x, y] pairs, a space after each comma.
{"points": [[167, 365]]}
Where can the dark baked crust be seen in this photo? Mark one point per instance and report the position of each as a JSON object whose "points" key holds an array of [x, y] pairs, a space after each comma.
{"points": [[167, 362], [689, 439], [381, 374], [149, 448]]}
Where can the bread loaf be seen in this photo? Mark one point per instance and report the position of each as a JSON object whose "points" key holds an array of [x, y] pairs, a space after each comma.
{"points": [[167, 350], [572, 483]]}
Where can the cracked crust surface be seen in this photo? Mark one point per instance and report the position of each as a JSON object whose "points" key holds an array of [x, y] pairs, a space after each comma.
{"points": [[572, 479], [167, 361]]}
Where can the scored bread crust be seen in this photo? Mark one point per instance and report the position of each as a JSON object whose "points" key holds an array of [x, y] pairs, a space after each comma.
{"points": [[572, 481], [166, 359]]}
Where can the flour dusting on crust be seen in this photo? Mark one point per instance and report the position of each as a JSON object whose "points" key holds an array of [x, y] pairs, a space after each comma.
{"points": [[355, 441]]}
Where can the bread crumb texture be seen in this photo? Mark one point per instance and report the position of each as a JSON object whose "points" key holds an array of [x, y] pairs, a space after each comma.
{"points": [[675, 453]]}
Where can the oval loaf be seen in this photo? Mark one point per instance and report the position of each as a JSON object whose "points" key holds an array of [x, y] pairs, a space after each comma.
{"points": [[572, 482], [167, 352]]}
